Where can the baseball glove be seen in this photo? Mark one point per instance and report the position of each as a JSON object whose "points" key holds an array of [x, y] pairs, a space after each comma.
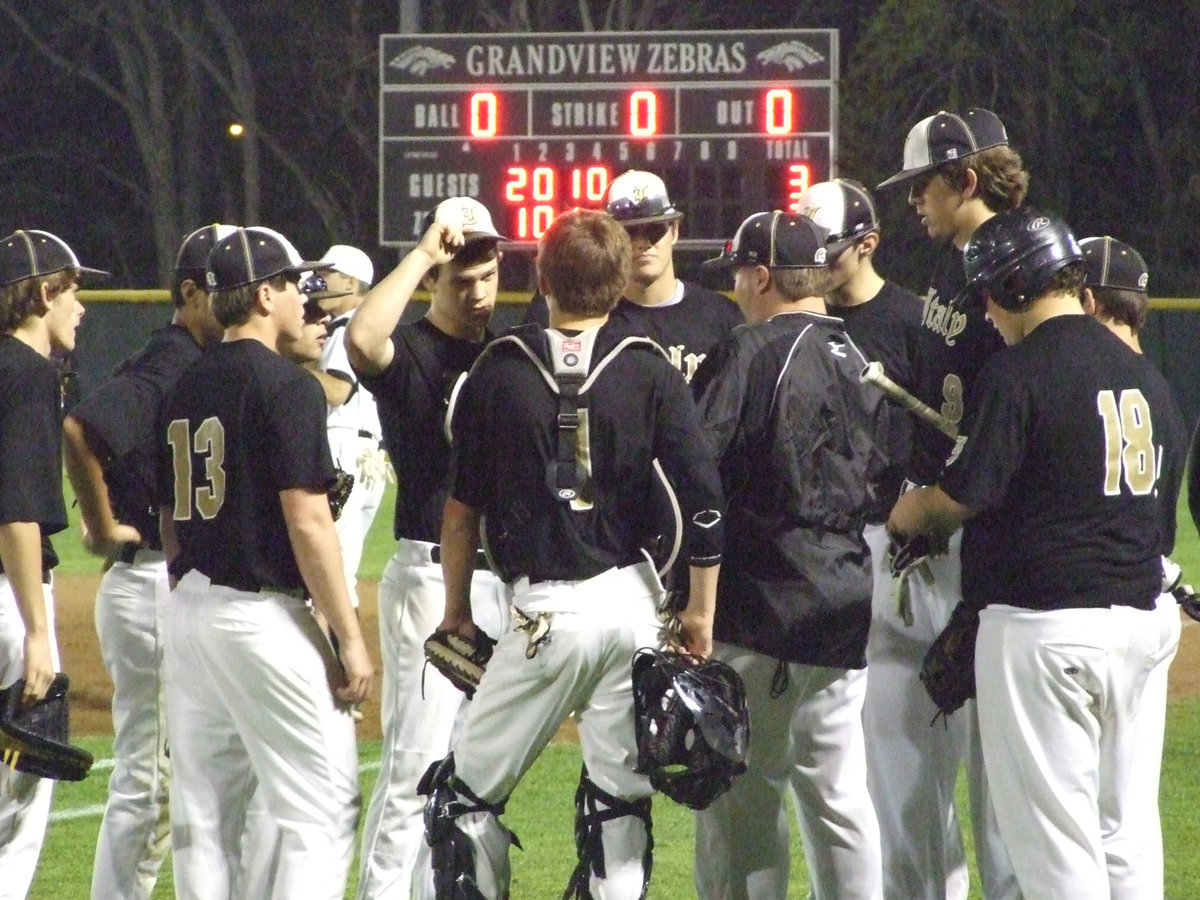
{"points": [[948, 671], [462, 661], [339, 491], [34, 736]]}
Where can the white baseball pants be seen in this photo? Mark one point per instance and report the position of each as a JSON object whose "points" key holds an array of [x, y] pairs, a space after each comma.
{"points": [[249, 708], [1072, 708], [912, 762], [809, 739], [419, 709], [135, 833], [363, 458]]}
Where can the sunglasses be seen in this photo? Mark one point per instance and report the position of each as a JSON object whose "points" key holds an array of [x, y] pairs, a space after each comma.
{"points": [[650, 231]]}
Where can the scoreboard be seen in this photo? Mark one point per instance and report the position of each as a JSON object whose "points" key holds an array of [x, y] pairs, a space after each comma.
{"points": [[532, 125]]}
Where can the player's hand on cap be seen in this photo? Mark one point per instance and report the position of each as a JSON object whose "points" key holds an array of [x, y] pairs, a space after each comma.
{"points": [[39, 668], [440, 242], [357, 669]]}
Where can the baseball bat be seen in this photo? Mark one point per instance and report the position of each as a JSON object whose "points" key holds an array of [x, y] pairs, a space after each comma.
{"points": [[873, 374]]}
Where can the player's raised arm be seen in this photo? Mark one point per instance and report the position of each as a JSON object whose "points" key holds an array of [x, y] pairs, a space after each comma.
{"points": [[369, 334]]}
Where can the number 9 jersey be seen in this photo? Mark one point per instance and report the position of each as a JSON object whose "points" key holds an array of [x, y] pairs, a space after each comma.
{"points": [[1073, 460]]}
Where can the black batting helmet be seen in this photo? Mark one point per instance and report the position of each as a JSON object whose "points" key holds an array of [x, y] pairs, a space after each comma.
{"points": [[1013, 255], [693, 728]]}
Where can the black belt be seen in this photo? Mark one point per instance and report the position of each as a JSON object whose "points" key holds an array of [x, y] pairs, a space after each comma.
{"points": [[481, 563], [128, 552]]}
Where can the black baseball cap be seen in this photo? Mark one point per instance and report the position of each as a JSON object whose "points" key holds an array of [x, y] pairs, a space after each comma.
{"points": [[35, 254], [843, 207], [638, 198], [1112, 264], [193, 252], [251, 255], [777, 240], [948, 136]]}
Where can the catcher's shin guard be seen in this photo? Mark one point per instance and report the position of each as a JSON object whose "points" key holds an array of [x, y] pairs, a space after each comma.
{"points": [[452, 853], [593, 808]]}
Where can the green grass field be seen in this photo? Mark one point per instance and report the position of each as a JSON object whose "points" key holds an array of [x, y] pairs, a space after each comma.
{"points": [[541, 811]]}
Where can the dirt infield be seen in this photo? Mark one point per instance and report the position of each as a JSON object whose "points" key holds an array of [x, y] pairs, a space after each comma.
{"points": [[91, 690]]}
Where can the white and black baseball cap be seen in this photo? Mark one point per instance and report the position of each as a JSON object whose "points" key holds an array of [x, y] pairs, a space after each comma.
{"points": [[469, 216], [36, 254], [636, 198], [1113, 264], [251, 255], [349, 261], [843, 207], [193, 252], [948, 136], [777, 240]]}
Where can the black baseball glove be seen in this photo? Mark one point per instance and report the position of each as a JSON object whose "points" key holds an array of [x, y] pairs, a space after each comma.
{"points": [[948, 671], [462, 661], [34, 736], [339, 492]]}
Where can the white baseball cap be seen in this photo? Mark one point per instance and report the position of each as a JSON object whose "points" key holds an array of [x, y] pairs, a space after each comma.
{"points": [[469, 216], [349, 261]]}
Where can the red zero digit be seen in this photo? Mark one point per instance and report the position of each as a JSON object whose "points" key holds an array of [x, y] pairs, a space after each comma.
{"points": [[483, 115], [779, 116], [643, 113], [543, 184]]}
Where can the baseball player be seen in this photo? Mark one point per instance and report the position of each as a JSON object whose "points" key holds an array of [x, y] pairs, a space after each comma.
{"points": [[257, 701], [110, 444], [39, 312], [1114, 290], [413, 370], [686, 320], [355, 437], [960, 171], [570, 545], [795, 432], [1066, 479]]}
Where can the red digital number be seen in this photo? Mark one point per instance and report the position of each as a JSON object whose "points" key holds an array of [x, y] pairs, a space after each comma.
{"points": [[643, 113], [798, 177], [589, 184], [484, 118], [780, 116]]}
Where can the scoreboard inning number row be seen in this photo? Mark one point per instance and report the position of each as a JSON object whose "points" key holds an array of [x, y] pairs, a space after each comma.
{"points": [[535, 124]]}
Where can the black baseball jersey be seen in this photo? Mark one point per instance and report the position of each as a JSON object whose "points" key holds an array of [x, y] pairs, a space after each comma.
{"points": [[123, 413], [957, 341], [242, 424], [796, 434], [1073, 463], [31, 442], [887, 329], [636, 410], [412, 395], [687, 327]]}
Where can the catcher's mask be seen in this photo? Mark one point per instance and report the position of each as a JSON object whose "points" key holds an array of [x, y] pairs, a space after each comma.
{"points": [[693, 728]]}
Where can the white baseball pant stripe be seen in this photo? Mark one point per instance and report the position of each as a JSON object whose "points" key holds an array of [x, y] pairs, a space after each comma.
{"points": [[809, 739], [24, 799], [419, 709], [596, 626], [1072, 708], [135, 833], [249, 708]]}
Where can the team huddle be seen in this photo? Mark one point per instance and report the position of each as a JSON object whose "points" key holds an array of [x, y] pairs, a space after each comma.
{"points": [[643, 464]]}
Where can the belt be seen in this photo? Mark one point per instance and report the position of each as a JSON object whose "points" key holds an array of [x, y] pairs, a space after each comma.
{"points": [[481, 563], [127, 552]]}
